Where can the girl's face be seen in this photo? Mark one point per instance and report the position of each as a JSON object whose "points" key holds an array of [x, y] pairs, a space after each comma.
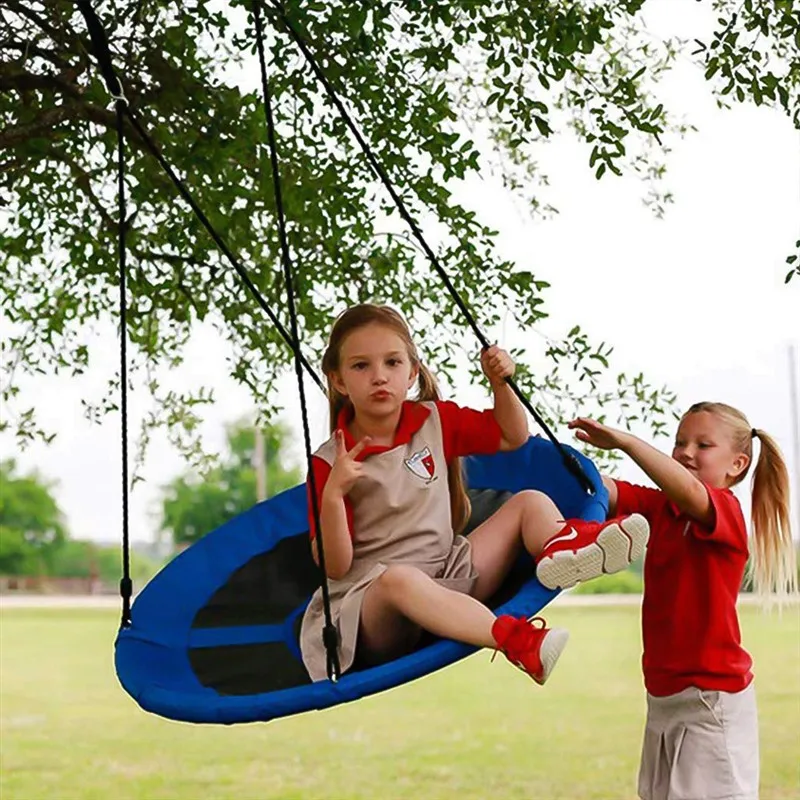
{"points": [[375, 370], [704, 445]]}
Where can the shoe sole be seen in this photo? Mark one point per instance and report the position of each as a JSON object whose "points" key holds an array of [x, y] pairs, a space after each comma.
{"points": [[552, 647], [615, 548]]}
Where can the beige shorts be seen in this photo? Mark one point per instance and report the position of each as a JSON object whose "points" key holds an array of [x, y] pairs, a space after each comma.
{"points": [[700, 745]]}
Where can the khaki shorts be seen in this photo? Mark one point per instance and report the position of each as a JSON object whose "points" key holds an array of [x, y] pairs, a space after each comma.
{"points": [[700, 745]]}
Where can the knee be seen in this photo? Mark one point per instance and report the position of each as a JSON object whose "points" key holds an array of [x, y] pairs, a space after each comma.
{"points": [[531, 502], [397, 578]]}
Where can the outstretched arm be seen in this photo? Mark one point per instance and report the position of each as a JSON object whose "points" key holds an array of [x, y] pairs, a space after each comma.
{"points": [[686, 491], [508, 411]]}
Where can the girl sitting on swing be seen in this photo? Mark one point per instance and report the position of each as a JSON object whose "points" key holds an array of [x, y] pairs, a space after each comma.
{"points": [[392, 500]]}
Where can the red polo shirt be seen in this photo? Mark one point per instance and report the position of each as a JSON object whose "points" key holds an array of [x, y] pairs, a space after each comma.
{"points": [[692, 576], [464, 432]]}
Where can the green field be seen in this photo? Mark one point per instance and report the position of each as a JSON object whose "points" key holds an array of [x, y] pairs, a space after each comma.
{"points": [[475, 730]]}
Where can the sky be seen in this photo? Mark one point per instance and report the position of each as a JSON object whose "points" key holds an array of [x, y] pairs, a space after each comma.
{"points": [[696, 300]]}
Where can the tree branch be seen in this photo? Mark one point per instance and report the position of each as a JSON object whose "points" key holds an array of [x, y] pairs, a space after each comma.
{"points": [[84, 182], [30, 47], [168, 258], [27, 81], [47, 120]]}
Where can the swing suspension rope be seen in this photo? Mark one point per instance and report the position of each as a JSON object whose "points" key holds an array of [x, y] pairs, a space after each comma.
{"points": [[100, 46], [330, 635], [125, 585], [103, 56]]}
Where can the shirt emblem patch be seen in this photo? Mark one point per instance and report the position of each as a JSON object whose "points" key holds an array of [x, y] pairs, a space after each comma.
{"points": [[422, 464]]}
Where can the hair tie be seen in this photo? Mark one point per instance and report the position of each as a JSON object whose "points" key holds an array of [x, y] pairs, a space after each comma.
{"points": [[753, 433]]}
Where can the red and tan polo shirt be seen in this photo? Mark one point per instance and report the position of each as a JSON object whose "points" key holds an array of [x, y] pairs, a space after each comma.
{"points": [[428, 437]]}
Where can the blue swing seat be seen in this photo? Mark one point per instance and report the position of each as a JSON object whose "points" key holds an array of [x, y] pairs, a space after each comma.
{"points": [[213, 637]]}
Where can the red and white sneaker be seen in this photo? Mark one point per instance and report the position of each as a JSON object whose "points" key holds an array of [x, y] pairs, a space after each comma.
{"points": [[532, 648], [584, 550]]}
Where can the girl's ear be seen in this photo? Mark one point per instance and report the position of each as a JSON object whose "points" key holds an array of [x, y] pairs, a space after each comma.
{"points": [[337, 383], [740, 464], [414, 375]]}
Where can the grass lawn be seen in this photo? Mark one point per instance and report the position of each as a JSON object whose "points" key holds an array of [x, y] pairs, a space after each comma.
{"points": [[474, 730]]}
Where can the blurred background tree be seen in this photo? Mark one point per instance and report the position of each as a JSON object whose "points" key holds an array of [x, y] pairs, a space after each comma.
{"points": [[253, 469]]}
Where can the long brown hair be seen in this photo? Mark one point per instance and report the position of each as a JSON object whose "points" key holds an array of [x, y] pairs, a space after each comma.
{"points": [[427, 389], [774, 567]]}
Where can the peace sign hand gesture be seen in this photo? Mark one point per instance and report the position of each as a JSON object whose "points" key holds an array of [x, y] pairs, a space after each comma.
{"points": [[346, 469]]}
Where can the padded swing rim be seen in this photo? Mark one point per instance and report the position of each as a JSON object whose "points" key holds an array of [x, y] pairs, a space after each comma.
{"points": [[161, 689]]}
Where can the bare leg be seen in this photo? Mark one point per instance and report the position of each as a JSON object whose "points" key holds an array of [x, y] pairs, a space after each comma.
{"points": [[529, 518], [405, 600], [406, 591]]}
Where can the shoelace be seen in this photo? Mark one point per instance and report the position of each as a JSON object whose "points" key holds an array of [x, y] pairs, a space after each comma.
{"points": [[532, 621]]}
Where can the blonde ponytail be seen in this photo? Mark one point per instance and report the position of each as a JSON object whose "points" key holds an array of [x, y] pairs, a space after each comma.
{"points": [[774, 557]]}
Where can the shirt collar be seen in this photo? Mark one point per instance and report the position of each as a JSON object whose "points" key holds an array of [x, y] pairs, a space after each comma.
{"points": [[412, 418]]}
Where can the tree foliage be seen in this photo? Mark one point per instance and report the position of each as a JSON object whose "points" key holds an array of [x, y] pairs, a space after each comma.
{"points": [[31, 523], [754, 54], [194, 505], [444, 90]]}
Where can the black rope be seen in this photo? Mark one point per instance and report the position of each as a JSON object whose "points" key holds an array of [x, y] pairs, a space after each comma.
{"points": [[329, 634], [569, 459], [115, 90], [102, 52], [125, 584], [103, 55]]}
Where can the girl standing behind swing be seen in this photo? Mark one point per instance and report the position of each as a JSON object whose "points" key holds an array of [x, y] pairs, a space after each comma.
{"points": [[391, 496], [701, 736]]}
